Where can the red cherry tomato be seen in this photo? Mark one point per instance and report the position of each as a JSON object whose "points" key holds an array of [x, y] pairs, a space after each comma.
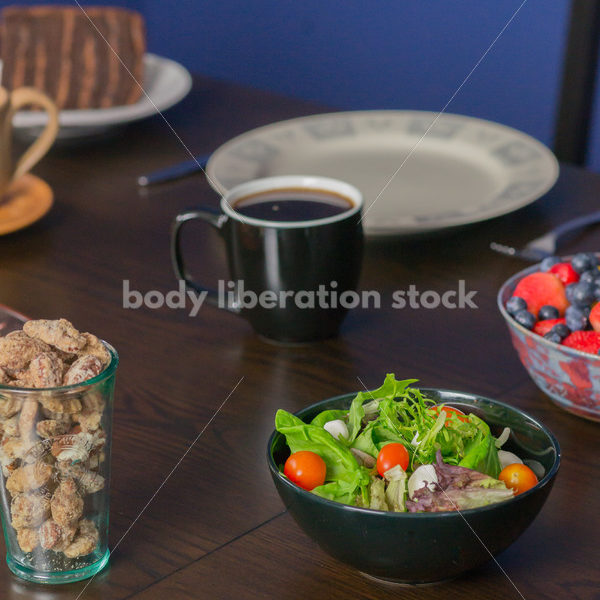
{"points": [[306, 469], [449, 410], [391, 455], [518, 478]]}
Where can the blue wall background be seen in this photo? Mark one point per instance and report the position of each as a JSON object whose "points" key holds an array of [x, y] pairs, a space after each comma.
{"points": [[363, 54]]}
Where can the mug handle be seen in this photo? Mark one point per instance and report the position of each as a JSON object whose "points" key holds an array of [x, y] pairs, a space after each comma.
{"points": [[22, 97], [214, 218]]}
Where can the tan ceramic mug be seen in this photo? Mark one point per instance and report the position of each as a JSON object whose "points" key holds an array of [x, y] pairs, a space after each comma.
{"points": [[10, 103]]}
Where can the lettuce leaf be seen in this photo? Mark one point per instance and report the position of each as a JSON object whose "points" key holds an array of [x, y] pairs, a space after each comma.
{"points": [[390, 389], [342, 468], [365, 441], [377, 495], [343, 491], [481, 453], [396, 489], [329, 415]]}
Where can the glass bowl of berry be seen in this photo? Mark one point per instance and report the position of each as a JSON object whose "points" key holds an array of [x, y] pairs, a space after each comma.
{"points": [[553, 314]]}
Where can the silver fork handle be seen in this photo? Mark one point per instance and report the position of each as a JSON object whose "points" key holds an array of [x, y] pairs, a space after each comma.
{"points": [[553, 236]]}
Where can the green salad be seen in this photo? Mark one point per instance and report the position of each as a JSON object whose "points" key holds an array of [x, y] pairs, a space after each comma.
{"points": [[394, 449]]}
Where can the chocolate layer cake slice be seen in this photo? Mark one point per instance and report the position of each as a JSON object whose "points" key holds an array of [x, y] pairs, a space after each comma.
{"points": [[58, 50]]}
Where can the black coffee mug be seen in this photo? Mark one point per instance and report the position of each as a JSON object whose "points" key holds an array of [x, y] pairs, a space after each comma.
{"points": [[294, 246]]}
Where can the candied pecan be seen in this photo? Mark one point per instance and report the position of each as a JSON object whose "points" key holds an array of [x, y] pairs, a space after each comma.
{"points": [[45, 371], [88, 421], [27, 419], [66, 504], [13, 447], [54, 536], [8, 467], [51, 428], [76, 447], [67, 405], [28, 539], [96, 459], [17, 350], [29, 477], [29, 510], [55, 416], [93, 401], [21, 382], [59, 333], [82, 369], [89, 482], [11, 426], [66, 357], [10, 406], [85, 541], [94, 347], [38, 451], [50, 534], [67, 538]]}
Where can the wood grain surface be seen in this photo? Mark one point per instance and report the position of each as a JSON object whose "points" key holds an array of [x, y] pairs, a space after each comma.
{"points": [[216, 528]]}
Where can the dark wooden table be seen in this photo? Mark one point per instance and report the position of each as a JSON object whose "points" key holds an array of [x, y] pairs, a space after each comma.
{"points": [[216, 528]]}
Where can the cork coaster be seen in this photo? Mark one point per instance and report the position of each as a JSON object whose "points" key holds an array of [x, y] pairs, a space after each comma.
{"points": [[27, 199]]}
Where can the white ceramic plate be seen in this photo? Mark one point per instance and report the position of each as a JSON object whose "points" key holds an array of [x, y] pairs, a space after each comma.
{"points": [[462, 171], [165, 81]]}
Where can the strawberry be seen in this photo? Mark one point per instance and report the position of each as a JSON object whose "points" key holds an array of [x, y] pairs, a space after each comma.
{"points": [[543, 327], [565, 272], [594, 317], [541, 289], [586, 341]]}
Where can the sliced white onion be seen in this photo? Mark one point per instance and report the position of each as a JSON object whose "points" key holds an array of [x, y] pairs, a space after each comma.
{"points": [[536, 466], [363, 458], [422, 476], [337, 428], [503, 437], [508, 458]]}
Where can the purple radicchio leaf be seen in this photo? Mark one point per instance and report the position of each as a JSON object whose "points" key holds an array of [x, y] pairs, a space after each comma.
{"points": [[458, 488]]}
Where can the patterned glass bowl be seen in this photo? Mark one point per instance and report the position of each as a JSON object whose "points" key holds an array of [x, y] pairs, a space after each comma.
{"points": [[569, 377]]}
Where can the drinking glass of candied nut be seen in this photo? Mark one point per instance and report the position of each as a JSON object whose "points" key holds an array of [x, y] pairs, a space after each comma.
{"points": [[56, 400]]}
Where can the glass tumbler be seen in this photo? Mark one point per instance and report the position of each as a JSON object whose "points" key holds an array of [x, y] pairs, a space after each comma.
{"points": [[55, 458]]}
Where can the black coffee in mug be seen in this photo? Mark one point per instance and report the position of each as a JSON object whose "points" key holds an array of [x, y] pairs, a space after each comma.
{"points": [[290, 240], [293, 204]]}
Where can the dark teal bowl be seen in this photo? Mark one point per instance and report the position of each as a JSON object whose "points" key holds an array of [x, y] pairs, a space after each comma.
{"points": [[420, 548]]}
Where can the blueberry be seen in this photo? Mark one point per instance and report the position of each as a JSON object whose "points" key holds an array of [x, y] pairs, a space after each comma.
{"points": [[582, 294], [583, 262], [549, 262], [569, 292], [596, 290], [547, 312], [593, 259], [590, 276], [515, 304], [576, 318], [525, 318], [561, 330], [553, 337]]}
